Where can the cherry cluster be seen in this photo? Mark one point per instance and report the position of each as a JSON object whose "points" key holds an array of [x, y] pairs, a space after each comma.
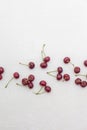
{"points": [[59, 76]]}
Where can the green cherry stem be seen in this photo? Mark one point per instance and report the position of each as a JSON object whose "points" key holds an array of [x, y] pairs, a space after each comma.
{"points": [[81, 75], [51, 74], [23, 64], [19, 84], [43, 52], [72, 64], [9, 82]]}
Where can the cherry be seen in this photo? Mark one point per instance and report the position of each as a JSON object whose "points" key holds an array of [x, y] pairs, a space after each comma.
{"points": [[78, 81], [46, 59], [25, 81], [77, 69], [30, 85], [83, 84], [60, 69], [31, 65], [43, 65], [59, 76], [85, 63], [66, 60], [43, 83], [31, 77], [16, 75], [1, 70], [66, 77], [1, 77], [48, 89]]}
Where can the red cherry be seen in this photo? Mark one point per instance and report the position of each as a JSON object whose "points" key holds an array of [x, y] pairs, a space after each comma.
{"points": [[59, 76], [66, 60], [31, 77], [60, 69], [85, 63], [46, 59], [1, 77], [1, 70], [25, 81], [48, 89], [77, 69], [83, 84], [31, 85], [43, 65], [43, 83], [31, 65], [16, 75], [66, 77], [78, 81]]}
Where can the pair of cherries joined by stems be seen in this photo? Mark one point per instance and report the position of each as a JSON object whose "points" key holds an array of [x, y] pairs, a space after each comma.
{"points": [[29, 81]]}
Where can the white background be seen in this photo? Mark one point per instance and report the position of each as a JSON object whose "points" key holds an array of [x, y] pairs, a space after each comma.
{"points": [[24, 26]]}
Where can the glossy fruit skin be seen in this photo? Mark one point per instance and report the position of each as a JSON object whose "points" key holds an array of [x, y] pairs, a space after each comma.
{"points": [[83, 84], [31, 65], [1, 70], [59, 76], [43, 83], [46, 59], [85, 63], [31, 85], [43, 65], [78, 81], [16, 75], [59, 69], [66, 60], [1, 77], [25, 81], [66, 77], [77, 69], [31, 77], [48, 89]]}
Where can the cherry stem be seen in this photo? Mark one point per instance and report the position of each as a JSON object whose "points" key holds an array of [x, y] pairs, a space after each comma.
{"points": [[9, 82], [72, 64], [52, 71], [23, 64], [38, 93], [51, 74], [19, 84], [43, 52], [81, 75]]}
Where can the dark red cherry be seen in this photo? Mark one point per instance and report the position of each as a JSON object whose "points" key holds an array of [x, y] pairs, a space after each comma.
{"points": [[66, 60], [48, 89]]}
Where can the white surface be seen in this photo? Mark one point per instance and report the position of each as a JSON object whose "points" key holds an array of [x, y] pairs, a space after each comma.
{"points": [[24, 26]]}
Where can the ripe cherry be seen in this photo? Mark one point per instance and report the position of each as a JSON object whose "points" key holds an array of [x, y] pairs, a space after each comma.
{"points": [[43, 83], [66, 60], [66, 77], [43, 65], [1, 70], [30, 85], [24, 81], [78, 81], [85, 63], [77, 69], [83, 84], [31, 77], [60, 69], [46, 59], [47, 89], [59, 76]]}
